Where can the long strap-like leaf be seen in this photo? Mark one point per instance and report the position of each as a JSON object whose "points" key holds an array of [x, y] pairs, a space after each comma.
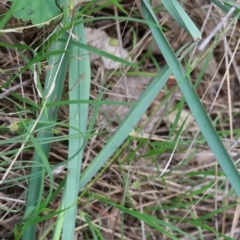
{"points": [[192, 99]]}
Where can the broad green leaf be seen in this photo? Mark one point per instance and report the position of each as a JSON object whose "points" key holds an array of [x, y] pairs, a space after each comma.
{"points": [[37, 11]]}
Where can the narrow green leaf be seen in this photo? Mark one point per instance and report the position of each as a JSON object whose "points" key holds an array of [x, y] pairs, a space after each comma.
{"points": [[103, 53], [129, 122], [79, 88], [177, 12], [116, 3], [8, 14], [152, 221], [37, 171], [226, 6], [93, 102], [193, 101]]}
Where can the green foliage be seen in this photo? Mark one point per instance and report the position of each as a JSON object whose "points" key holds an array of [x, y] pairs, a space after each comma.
{"points": [[157, 224], [189, 93], [38, 12], [227, 5], [65, 55]]}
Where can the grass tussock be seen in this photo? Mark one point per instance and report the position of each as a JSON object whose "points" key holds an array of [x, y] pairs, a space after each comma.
{"points": [[98, 139]]}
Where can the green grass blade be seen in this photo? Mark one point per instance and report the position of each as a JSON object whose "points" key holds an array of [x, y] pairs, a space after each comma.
{"points": [[193, 101], [125, 128], [93, 102], [116, 3], [103, 53], [49, 114], [129, 122], [152, 221], [226, 6], [177, 12], [79, 88], [8, 15]]}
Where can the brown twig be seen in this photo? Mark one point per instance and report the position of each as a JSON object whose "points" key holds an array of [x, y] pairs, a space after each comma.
{"points": [[14, 88]]}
